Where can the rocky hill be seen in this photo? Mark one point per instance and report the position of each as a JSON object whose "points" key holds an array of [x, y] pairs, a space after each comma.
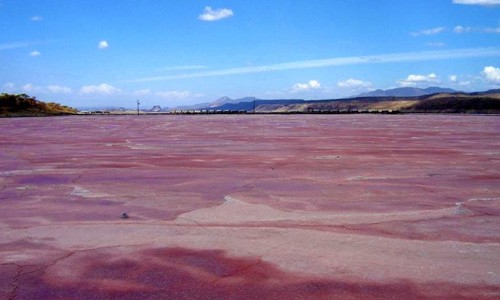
{"points": [[23, 105]]}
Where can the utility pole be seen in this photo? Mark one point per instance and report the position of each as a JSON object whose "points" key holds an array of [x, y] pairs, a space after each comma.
{"points": [[138, 103]]}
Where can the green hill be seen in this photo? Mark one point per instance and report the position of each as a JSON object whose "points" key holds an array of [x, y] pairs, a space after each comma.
{"points": [[23, 105]]}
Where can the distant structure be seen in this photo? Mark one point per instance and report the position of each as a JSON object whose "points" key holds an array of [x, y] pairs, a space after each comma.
{"points": [[138, 103]]}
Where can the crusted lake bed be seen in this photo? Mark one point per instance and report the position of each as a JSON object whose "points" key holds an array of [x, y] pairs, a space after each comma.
{"points": [[250, 206]]}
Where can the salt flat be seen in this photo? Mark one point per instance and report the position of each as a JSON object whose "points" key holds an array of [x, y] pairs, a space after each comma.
{"points": [[250, 206]]}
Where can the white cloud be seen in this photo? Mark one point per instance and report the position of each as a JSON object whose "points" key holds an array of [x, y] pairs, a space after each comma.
{"points": [[436, 44], [176, 95], [354, 84], [492, 74], [454, 80], [35, 53], [28, 87], [15, 45], [9, 87], [477, 2], [184, 68], [210, 14], [414, 80], [37, 18], [492, 30], [57, 89], [337, 61], [102, 88], [460, 29], [103, 45], [311, 85], [142, 92], [432, 31]]}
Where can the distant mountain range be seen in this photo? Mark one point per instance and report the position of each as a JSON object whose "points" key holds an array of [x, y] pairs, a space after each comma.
{"points": [[489, 92], [246, 103], [103, 108], [216, 103], [227, 100], [407, 92]]}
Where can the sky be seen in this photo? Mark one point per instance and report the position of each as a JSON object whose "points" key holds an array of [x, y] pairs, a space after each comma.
{"points": [[89, 53]]}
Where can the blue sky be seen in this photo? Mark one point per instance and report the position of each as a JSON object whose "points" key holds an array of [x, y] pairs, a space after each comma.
{"points": [[170, 52]]}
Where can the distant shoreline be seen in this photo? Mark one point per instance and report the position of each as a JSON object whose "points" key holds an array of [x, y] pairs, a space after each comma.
{"points": [[459, 103]]}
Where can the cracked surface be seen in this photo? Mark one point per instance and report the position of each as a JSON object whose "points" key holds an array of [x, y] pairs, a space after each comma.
{"points": [[255, 207]]}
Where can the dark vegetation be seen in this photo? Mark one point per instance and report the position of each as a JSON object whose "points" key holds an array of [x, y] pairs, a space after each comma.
{"points": [[457, 104], [22, 105]]}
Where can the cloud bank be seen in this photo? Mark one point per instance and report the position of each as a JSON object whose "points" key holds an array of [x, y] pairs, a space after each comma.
{"points": [[31, 88]]}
